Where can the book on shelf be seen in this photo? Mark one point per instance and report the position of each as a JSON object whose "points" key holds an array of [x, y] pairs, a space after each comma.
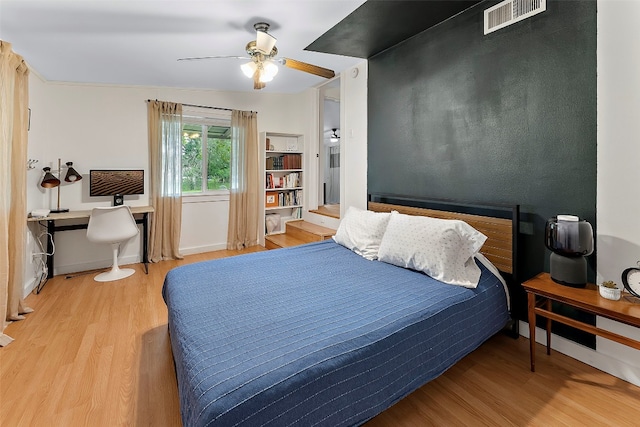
{"points": [[290, 198], [283, 199], [290, 180], [283, 162], [291, 161], [273, 181], [274, 163]]}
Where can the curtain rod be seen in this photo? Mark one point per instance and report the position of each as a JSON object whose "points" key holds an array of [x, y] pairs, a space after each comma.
{"points": [[201, 106], [205, 106]]}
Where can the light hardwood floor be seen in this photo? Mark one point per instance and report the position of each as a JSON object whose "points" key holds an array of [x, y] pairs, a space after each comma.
{"points": [[98, 354]]}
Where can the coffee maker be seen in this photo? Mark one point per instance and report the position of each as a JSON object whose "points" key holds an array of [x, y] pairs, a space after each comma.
{"points": [[570, 239]]}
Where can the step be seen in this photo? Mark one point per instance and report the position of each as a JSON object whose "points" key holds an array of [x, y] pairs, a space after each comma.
{"points": [[332, 211], [276, 241], [298, 232], [307, 231]]}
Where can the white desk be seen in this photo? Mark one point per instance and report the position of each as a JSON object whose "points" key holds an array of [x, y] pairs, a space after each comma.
{"points": [[142, 211]]}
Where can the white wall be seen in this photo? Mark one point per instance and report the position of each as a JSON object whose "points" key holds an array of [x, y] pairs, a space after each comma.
{"points": [[106, 127], [37, 137], [618, 203], [353, 140]]}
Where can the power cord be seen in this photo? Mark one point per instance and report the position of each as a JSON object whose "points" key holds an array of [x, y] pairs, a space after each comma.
{"points": [[42, 271]]}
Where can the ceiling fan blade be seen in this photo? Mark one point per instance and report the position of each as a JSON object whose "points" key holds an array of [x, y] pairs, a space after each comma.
{"points": [[307, 68], [212, 57]]}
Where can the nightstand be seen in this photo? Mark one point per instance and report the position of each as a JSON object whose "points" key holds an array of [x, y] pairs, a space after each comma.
{"points": [[541, 291]]}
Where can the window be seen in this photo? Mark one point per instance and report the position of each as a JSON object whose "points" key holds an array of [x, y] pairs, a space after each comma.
{"points": [[206, 153]]}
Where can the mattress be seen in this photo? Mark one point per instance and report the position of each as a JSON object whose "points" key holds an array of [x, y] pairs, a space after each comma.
{"points": [[315, 335]]}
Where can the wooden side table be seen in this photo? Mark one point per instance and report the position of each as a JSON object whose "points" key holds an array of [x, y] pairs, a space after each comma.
{"points": [[541, 291]]}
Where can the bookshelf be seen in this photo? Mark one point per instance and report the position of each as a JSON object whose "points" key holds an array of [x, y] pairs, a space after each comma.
{"points": [[282, 180]]}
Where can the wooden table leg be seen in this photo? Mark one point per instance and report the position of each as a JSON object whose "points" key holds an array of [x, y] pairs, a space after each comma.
{"points": [[531, 298], [145, 241], [548, 328]]}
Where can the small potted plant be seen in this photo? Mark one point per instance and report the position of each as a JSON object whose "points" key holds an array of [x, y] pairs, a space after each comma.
{"points": [[609, 290]]}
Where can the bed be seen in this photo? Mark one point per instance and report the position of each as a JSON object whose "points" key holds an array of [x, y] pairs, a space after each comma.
{"points": [[320, 335]]}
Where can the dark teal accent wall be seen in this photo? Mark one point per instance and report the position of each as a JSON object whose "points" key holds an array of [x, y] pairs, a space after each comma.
{"points": [[509, 117]]}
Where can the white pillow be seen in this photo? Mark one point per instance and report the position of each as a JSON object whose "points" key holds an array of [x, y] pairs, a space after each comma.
{"points": [[441, 248], [362, 231]]}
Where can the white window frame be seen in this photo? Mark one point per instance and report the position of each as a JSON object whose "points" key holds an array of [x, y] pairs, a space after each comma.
{"points": [[205, 117]]}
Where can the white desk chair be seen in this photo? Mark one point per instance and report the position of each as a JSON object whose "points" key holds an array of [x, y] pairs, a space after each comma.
{"points": [[114, 225]]}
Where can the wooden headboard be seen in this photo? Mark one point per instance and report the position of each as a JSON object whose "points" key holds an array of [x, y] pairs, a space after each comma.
{"points": [[498, 222]]}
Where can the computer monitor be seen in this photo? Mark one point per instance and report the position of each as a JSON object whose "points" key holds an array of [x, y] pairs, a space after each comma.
{"points": [[116, 183]]}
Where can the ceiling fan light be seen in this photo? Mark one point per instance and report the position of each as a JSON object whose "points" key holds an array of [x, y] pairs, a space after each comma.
{"points": [[249, 68], [270, 69], [264, 77], [265, 42], [334, 136]]}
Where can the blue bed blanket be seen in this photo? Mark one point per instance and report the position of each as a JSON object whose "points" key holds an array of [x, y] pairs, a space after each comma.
{"points": [[315, 335]]}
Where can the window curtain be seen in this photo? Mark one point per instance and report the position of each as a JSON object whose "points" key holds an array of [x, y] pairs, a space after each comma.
{"points": [[14, 119], [245, 181], [165, 149]]}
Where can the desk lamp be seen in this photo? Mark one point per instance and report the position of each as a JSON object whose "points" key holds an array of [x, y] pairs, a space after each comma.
{"points": [[570, 239], [51, 181]]}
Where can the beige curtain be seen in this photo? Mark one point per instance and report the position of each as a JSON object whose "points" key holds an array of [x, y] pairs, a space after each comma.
{"points": [[165, 150], [14, 119], [245, 182]]}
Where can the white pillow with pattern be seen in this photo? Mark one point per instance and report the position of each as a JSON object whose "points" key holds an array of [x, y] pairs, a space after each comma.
{"points": [[441, 248], [362, 231]]}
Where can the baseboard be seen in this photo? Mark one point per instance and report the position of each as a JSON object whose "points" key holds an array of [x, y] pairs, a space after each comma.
{"points": [[617, 368], [28, 287], [94, 265], [201, 249], [132, 259]]}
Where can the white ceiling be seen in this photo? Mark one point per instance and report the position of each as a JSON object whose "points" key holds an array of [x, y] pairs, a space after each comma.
{"points": [[138, 42]]}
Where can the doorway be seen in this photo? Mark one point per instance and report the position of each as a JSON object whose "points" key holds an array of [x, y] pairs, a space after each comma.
{"points": [[329, 151]]}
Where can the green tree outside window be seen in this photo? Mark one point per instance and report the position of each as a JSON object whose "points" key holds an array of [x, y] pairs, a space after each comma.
{"points": [[217, 158]]}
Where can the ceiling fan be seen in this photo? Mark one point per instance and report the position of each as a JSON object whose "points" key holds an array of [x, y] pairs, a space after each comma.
{"points": [[262, 53]]}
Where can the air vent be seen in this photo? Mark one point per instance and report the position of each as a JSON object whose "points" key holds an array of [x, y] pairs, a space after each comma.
{"points": [[511, 11]]}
